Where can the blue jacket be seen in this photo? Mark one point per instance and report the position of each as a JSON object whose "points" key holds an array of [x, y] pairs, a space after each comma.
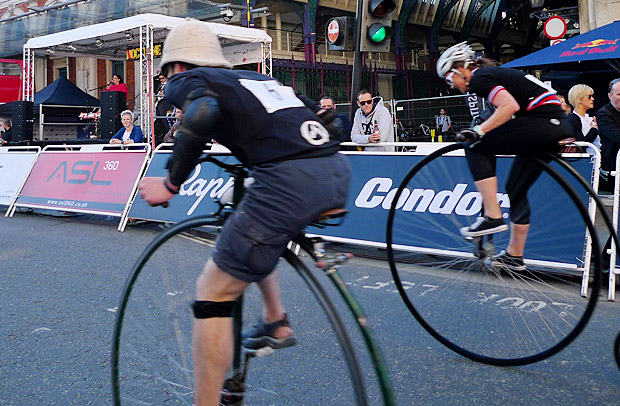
{"points": [[136, 134]]}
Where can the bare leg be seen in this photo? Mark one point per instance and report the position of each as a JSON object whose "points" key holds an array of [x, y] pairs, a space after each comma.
{"points": [[273, 309], [488, 189], [518, 236], [212, 338]]}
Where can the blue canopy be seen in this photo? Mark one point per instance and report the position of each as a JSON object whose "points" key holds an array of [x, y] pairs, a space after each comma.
{"points": [[63, 92], [594, 51]]}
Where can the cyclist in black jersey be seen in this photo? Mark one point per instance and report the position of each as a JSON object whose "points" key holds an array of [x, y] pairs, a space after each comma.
{"points": [[298, 174], [528, 120]]}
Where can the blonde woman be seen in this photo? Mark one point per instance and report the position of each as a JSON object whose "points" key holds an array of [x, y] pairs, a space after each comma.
{"points": [[130, 133], [581, 97]]}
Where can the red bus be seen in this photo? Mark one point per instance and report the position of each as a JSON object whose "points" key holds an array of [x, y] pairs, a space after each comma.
{"points": [[10, 80]]}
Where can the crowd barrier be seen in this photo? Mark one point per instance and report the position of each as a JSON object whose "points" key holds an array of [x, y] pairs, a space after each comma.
{"points": [[96, 179], [102, 179], [15, 165], [613, 252]]}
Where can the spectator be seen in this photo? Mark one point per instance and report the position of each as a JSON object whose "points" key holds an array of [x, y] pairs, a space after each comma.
{"points": [[169, 137], [372, 122], [163, 108], [443, 124], [7, 135], [327, 103], [609, 117], [565, 106], [581, 97], [117, 85], [130, 133]]}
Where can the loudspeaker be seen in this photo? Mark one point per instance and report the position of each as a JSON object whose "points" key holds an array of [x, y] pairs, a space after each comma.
{"points": [[112, 104], [23, 120]]}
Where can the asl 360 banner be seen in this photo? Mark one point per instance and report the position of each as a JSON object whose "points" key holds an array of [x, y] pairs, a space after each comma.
{"points": [[90, 182]]}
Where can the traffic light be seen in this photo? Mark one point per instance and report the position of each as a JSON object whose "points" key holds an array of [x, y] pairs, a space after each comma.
{"points": [[338, 31], [377, 25]]}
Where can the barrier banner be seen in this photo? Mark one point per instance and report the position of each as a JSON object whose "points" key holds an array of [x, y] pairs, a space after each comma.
{"points": [[196, 197], [87, 182], [14, 167], [373, 185], [554, 235]]}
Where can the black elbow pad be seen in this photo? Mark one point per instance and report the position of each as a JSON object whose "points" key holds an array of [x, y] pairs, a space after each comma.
{"points": [[200, 114]]}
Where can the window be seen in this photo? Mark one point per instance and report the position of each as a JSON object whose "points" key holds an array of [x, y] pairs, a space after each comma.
{"points": [[118, 68], [63, 72]]}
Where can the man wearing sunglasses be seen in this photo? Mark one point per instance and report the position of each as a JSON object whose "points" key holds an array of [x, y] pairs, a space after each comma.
{"points": [[372, 123], [608, 118]]}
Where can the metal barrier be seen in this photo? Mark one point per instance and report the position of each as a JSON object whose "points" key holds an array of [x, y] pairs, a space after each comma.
{"points": [[613, 251], [95, 179], [415, 120]]}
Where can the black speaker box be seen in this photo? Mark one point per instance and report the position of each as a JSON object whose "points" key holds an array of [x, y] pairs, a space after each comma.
{"points": [[112, 104], [23, 120]]}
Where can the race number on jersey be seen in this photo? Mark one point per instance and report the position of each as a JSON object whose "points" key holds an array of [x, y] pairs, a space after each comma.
{"points": [[272, 96]]}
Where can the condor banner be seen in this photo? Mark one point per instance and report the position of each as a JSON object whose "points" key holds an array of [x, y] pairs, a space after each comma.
{"points": [[86, 182], [197, 196], [15, 163], [432, 209], [374, 183]]}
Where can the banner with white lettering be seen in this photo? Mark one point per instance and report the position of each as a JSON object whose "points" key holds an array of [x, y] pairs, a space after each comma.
{"points": [[196, 197], [15, 163], [375, 181], [85, 182]]}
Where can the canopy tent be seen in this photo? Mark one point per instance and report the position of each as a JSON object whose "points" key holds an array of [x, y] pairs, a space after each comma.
{"points": [[63, 92], [111, 40], [594, 51]]}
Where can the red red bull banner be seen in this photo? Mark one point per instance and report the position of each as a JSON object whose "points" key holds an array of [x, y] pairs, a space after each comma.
{"points": [[598, 46], [89, 182], [588, 52]]}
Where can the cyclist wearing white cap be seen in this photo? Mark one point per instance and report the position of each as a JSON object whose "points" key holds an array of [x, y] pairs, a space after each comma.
{"points": [[298, 175], [528, 120]]}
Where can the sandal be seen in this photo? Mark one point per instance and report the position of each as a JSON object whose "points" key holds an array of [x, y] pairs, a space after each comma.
{"points": [[262, 335]]}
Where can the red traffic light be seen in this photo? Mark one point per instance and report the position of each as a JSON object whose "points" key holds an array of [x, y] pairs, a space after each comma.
{"points": [[380, 8]]}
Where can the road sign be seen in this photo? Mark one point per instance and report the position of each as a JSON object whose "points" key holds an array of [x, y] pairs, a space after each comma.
{"points": [[555, 27]]}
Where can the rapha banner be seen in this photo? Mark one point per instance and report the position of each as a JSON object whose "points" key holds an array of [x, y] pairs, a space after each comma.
{"points": [[431, 210], [197, 195], [86, 182], [14, 167]]}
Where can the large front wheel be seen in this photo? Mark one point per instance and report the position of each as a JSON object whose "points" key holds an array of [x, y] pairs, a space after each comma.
{"points": [[451, 286], [152, 344]]}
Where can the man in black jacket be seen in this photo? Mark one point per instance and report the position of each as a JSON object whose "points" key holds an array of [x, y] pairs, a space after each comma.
{"points": [[608, 118]]}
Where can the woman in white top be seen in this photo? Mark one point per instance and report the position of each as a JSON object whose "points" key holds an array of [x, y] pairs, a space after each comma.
{"points": [[581, 97]]}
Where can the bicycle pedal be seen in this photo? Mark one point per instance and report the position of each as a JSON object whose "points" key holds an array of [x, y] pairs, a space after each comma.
{"points": [[333, 260], [260, 352]]}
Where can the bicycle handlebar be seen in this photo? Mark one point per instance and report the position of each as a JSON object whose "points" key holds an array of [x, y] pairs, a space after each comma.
{"points": [[227, 167]]}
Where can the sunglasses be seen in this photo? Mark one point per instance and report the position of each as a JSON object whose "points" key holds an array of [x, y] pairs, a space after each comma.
{"points": [[362, 102], [449, 79], [590, 96]]}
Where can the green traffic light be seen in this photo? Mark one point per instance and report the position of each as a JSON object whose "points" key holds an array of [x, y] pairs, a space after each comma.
{"points": [[378, 33]]}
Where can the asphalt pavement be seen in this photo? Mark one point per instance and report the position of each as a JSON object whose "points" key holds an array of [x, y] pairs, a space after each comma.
{"points": [[61, 278]]}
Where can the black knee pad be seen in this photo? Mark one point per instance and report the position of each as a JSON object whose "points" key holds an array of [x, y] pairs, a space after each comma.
{"points": [[205, 309]]}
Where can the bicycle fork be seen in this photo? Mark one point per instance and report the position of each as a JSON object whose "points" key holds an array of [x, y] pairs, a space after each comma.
{"points": [[330, 264]]}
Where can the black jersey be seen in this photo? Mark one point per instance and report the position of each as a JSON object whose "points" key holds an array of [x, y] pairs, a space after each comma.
{"points": [[261, 121], [534, 97]]}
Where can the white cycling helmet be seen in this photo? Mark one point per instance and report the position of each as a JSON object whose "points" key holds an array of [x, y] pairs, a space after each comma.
{"points": [[460, 52], [193, 42]]}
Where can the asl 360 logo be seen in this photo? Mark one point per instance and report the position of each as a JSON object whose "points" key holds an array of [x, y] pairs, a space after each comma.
{"points": [[82, 172]]}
